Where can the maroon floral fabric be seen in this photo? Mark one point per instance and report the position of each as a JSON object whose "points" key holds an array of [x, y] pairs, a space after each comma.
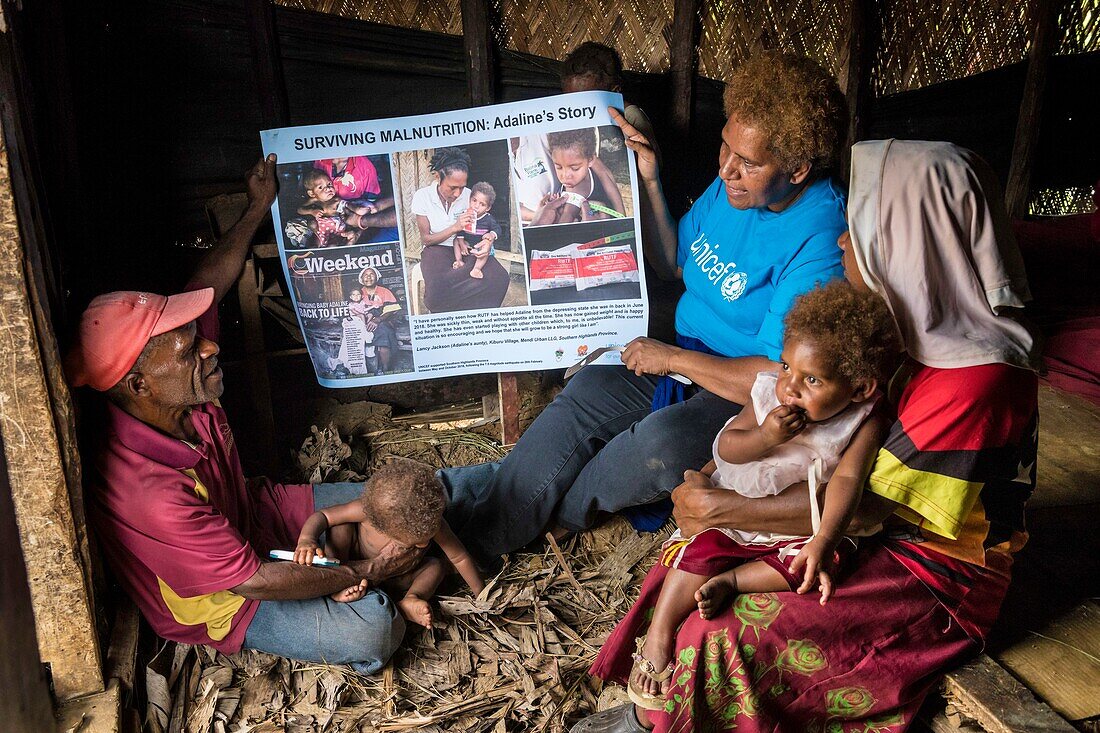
{"points": [[782, 662]]}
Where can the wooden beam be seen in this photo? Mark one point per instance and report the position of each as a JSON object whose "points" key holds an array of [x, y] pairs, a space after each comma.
{"points": [[682, 58], [984, 691], [856, 79], [508, 394], [25, 704], [1043, 38], [267, 62], [36, 416], [224, 212], [480, 63]]}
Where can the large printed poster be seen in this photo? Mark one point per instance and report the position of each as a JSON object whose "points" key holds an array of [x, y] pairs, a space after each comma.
{"points": [[499, 238]]}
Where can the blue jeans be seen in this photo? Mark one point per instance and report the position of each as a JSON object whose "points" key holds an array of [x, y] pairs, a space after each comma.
{"points": [[363, 634], [596, 448]]}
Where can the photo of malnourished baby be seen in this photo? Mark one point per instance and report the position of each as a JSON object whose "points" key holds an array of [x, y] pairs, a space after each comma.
{"points": [[590, 261], [335, 202], [571, 176]]}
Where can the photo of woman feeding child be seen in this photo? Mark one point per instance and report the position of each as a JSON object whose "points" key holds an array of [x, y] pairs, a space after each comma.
{"points": [[337, 201], [459, 221]]}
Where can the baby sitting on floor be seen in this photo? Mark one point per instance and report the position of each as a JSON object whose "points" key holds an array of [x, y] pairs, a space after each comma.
{"points": [[402, 503]]}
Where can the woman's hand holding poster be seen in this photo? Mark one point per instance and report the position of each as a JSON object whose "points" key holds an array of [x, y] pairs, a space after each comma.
{"points": [[499, 238]]}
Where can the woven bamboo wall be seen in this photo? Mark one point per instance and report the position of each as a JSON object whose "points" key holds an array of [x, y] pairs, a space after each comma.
{"points": [[441, 16], [947, 40], [1081, 21], [639, 29], [732, 30], [921, 43]]}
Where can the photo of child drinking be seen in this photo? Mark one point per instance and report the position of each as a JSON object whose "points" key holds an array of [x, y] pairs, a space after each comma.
{"points": [[460, 229], [820, 412], [590, 168], [402, 503], [484, 228]]}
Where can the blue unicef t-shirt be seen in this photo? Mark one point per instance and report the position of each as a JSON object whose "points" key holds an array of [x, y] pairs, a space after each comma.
{"points": [[743, 269]]}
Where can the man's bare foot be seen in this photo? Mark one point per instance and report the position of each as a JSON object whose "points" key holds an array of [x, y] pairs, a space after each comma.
{"points": [[476, 274], [658, 652], [416, 609], [713, 596]]}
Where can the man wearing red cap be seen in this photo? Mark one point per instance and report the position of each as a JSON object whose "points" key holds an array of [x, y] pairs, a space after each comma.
{"points": [[181, 527]]}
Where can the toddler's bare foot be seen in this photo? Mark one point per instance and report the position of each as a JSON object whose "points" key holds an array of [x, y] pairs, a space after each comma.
{"points": [[713, 596], [456, 266], [416, 609], [475, 273], [658, 652]]}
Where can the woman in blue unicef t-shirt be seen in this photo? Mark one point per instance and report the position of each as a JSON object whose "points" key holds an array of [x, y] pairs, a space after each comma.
{"points": [[763, 233]]}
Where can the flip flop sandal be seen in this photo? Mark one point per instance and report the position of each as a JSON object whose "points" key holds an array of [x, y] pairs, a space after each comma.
{"points": [[619, 719], [638, 696]]}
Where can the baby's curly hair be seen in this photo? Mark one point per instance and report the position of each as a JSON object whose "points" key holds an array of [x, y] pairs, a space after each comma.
{"points": [[583, 140], [404, 500], [853, 331], [485, 189], [310, 177], [796, 104], [597, 60]]}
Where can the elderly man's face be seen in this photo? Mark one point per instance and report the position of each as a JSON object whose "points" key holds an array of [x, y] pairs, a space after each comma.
{"points": [[180, 369]]}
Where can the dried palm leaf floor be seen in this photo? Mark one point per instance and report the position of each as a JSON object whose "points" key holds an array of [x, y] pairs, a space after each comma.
{"points": [[516, 659]]}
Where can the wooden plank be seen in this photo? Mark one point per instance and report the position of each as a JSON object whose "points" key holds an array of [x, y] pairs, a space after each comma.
{"points": [[1069, 455], [25, 704], [259, 383], [856, 79], [984, 691], [1061, 664], [477, 40], [98, 713], [1026, 143], [51, 534], [270, 84], [122, 650], [682, 61], [508, 392]]}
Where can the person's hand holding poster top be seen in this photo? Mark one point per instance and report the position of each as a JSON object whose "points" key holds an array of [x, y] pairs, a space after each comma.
{"points": [[499, 238]]}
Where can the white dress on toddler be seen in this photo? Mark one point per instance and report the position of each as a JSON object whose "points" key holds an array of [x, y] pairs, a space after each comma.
{"points": [[786, 464]]}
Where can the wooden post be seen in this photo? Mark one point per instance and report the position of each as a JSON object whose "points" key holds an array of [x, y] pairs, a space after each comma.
{"points": [[268, 64], [480, 63], [682, 57], [25, 704], [508, 393], [856, 81], [36, 414], [1043, 38], [481, 88], [275, 108], [52, 546]]}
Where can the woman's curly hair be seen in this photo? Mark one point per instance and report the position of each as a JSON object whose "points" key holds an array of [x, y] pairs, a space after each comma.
{"points": [[404, 500], [853, 331], [583, 141], [796, 104], [446, 161]]}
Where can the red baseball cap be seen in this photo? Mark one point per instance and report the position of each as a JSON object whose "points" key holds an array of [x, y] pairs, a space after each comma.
{"points": [[115, 328]]}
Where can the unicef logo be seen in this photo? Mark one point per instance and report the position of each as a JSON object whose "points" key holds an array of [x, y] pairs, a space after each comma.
{"points": [[734, 285]]}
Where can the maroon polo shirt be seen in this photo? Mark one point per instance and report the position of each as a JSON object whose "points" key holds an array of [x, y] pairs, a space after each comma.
{"points": [[180, 525]]}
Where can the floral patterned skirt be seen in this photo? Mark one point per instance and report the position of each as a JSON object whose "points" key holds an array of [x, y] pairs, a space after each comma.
{"points": [[782, 662]]}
